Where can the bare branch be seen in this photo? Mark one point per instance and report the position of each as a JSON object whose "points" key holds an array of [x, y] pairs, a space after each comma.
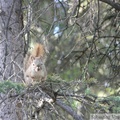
{"points": [[69, 110], [113, 4]]}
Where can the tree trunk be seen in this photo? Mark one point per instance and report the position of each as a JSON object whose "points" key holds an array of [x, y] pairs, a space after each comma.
{"points": [[11, 45], [11, 52]]}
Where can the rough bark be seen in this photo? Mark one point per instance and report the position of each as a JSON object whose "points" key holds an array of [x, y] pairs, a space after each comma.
{"points": [[11, 52], [11, 45]]}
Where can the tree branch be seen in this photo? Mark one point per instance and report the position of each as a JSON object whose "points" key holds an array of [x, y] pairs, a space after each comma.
{"points": [[68, 110], [113, 4]]}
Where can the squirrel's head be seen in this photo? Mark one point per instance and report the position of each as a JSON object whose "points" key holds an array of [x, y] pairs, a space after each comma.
{"points": [[37, 63]]}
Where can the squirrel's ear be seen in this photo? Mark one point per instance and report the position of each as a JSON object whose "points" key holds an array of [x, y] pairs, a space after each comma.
{"points": [[32, 58]]}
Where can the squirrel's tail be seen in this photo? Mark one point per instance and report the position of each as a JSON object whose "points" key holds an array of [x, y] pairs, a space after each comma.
{"points": [[38, 50]]}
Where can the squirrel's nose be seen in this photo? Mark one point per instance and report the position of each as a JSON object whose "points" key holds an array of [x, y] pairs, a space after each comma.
{"points": [[39, 67]]}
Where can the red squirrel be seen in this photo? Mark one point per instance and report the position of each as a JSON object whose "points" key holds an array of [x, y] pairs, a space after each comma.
{"points": [[34, 65]]}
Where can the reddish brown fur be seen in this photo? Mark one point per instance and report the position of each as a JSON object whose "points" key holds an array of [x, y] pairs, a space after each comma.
{"points": [[38, 50]]}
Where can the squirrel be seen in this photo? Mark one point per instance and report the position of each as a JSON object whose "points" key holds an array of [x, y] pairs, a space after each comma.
{"points": [[34, 65]]}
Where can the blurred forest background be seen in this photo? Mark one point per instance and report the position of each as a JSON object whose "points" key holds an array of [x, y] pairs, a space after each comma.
{"points": [[82, 40]]}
